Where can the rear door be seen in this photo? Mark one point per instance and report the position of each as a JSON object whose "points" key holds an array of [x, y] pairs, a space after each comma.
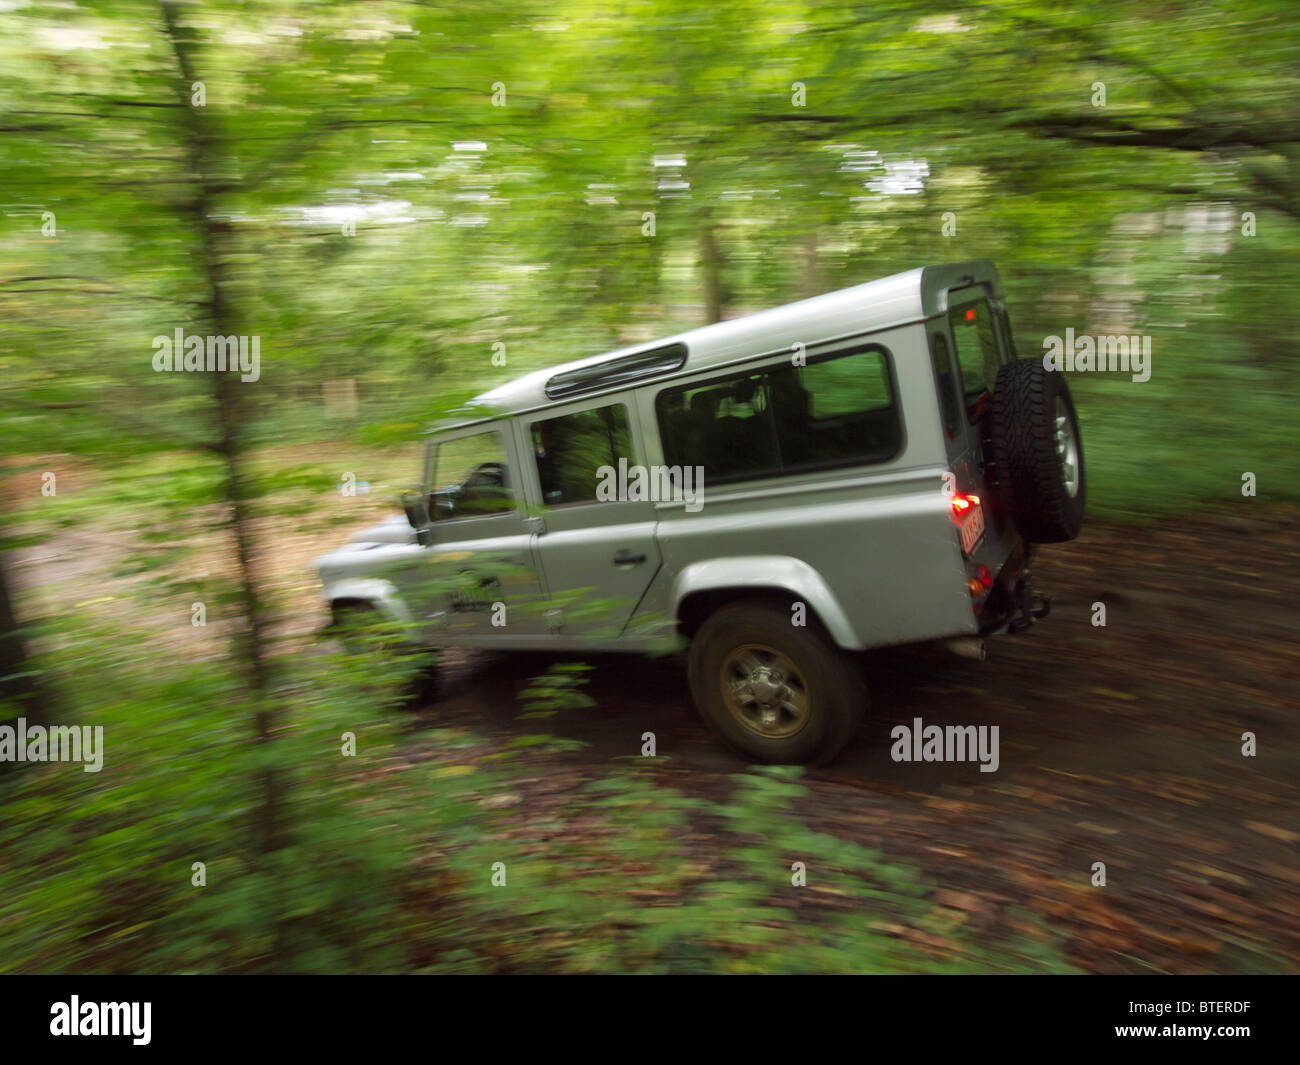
{"points": [[969, 346], [596, 540]]}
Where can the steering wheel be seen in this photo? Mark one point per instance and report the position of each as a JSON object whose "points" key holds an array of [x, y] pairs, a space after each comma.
{"points": [[495, 471]]}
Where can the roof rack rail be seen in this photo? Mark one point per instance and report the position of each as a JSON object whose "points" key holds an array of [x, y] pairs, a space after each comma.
{"points": [[619, 371]]}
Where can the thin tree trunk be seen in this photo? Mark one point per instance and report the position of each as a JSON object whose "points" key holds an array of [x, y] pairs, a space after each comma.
{"points": [[203, 154], [711, 262], [18, 684]]}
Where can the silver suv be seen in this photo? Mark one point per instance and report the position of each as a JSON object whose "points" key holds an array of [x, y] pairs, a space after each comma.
{"points": [[867, 468]]}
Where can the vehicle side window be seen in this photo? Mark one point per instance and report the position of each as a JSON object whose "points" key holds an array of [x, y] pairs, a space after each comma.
{"points": [[977, 346], [723, 426], [946, 383], [834, 411], [469, 478], [571, 449], [839, 387]]}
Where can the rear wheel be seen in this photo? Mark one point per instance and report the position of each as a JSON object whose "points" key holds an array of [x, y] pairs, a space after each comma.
{"points": [[774, 691]]}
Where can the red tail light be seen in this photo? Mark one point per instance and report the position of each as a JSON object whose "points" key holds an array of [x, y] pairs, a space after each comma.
{"points": [[962, 503]]}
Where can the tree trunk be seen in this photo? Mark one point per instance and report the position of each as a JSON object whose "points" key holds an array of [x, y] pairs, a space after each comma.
{"points": [[18, 686], [203, 154], [711, 262]]}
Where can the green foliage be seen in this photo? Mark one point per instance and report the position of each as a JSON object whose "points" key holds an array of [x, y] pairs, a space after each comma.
{"points": [[559, 688], [96, 867], [627, 894], [521, 225]]}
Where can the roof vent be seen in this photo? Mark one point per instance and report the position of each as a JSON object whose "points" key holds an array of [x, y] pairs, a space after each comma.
{"points": [[614, 372]]}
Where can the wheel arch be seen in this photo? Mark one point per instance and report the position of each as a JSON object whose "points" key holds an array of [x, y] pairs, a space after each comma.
{"points": [[704, 587], [371, 593]]}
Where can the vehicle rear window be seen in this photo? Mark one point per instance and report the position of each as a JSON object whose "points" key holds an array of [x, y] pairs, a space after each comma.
{"points": [[834, 411], [977, 346]]}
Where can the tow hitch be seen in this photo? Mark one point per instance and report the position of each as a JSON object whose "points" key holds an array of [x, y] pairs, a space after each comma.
{"points": [[1030, 606], [1014, 607]]}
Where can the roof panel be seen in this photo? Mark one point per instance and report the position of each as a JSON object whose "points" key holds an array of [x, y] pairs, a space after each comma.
{"points": [[870, 307]]}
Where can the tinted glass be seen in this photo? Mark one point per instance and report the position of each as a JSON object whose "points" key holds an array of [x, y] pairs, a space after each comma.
{"points": [[977, 346], [945, 382], [470, 478], [571, 449], [831, 412]]}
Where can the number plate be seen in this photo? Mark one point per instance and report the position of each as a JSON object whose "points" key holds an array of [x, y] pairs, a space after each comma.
{"points": [[972, 528]]}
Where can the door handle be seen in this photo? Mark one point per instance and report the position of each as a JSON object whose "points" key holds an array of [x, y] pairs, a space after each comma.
{"points": [[626, 557]]}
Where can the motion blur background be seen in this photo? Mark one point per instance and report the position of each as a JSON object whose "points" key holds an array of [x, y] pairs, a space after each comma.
{"points": [[409, 203]]}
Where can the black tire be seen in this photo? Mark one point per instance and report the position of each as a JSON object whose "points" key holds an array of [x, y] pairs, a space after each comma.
{"points": [[1031, 460], [362, 628], [824, 677]]}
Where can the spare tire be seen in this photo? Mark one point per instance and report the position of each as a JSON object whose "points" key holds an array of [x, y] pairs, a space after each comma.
{"points": [[1037, 451]]}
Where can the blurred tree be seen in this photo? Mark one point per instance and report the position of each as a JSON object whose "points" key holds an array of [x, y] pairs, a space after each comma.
{"points": [[20, 689]]}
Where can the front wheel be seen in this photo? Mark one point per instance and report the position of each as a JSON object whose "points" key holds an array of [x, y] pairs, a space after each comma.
{"points": [[774, 691], [363, 629]]}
